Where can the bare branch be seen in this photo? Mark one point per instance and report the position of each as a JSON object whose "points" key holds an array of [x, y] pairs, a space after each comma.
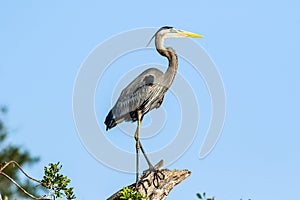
{"points": [[21, 188], [6, 164]]}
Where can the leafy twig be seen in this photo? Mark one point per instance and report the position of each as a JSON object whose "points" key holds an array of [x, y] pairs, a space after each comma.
{"points": [[52, 180]]}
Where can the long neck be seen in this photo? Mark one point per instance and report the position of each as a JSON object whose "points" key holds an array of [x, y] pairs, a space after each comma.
{"points": [[170, 53]]}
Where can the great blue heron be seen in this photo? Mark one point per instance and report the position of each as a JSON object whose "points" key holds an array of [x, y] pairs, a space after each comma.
{"points": [[147, 90]]}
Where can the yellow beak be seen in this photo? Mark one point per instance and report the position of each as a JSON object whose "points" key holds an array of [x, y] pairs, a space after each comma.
{"points": [[190, 34]]}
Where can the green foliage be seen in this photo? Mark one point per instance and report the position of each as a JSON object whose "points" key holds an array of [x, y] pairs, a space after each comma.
{"points": [[52, 179], [203, 196], [13, 152], [199, 195], [129, 193], [57, 182]]}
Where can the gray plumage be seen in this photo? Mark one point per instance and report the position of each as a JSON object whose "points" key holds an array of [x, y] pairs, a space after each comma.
{"points": [[146, 91]]}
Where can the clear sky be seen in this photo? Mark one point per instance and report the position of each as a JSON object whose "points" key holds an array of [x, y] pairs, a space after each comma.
{"points": [[254, 44]]}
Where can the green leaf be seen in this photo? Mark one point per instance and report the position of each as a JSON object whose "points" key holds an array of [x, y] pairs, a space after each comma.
{"points": [[199, 195]]}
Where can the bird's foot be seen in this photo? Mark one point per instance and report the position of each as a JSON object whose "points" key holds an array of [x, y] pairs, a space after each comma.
{"points": [[142, 182], [158, 175]]}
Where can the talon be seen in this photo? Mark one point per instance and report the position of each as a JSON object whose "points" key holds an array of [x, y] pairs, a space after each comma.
{"points": [[157, 178], [158, 175], [136, 186], [162, 175], [146, 173], [141, 182]]}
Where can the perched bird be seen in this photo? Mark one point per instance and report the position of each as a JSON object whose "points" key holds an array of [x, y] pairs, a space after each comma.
{"points": [[147, 90]]}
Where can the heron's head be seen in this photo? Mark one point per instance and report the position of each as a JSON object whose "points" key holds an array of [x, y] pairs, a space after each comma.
{"points": [[171, 32]]}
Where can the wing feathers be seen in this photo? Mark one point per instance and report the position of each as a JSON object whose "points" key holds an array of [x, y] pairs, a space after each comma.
{"points": [[143, 93]]}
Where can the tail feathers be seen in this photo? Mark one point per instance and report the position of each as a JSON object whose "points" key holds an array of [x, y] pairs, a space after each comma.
{"points": [[110, 122]]}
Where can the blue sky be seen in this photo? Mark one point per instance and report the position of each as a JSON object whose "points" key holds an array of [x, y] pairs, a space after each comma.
{"points": [[254, 44]]}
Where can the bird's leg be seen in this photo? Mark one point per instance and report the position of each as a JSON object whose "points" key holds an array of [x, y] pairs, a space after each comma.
{"points": [[137, 138], [158, 175], [137, 148], [146, 157]]}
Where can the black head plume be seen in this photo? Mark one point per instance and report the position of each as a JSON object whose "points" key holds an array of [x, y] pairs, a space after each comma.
{"points": [[162, 28]]}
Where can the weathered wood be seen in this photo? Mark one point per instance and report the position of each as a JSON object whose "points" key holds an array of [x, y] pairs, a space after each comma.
{"points": [[157, 186]]}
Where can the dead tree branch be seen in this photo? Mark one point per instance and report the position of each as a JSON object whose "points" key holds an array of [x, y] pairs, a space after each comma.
{"points": [[160, 191]]}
